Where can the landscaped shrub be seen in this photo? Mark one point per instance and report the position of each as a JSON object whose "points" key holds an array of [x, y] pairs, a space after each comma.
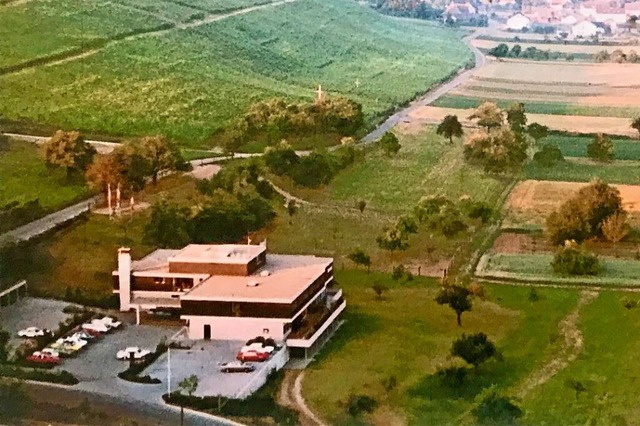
{"points": [[37, 374], [131, 374], [548, 156], [575, 260]]}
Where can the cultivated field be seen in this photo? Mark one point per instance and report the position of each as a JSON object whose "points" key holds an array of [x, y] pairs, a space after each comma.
{"points": [[188, 81], [25, 177], [531, 201], [425, 115]]}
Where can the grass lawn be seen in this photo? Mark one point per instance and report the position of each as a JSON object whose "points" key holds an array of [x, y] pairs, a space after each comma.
{"points": [[537, 267], [407, 335], [625, 172], [25, 177], [426, 165], [186, 83], [537, 107], [607, 369]]}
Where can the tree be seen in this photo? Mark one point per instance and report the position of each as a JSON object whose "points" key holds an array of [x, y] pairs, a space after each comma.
{"points": [[474, 348], [390, 144], [450, 127], [615, 227], [582, 216], [359, 257], [168, 226], [106, 170], [495, 409], [517, 117], [292, 208], [188, 385], [497, 150], [379, 289], [488, 115], [281, 159], [361, 205], [407, 225], [68, 150], [601, 148], [500, 51], [572, 259], [548, 156], [393, 239], [635, 124], [160, 155], [457, 298]]}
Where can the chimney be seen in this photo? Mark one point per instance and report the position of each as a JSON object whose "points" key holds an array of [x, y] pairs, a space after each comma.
{"points": [[124, 277]]}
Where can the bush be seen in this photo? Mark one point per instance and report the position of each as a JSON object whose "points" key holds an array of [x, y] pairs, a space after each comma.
{"points": [[548, 156], [495, 409], [533, 295], [62, 377], [359, 404], [131, 373], [474, 348], [575, 260], [601, 148], [452, 377], [629, 303], [398, 272], [281, 160]]}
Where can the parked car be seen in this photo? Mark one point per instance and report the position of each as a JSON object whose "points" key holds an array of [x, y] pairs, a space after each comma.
{"points": [[107, 321], [252, 356], [69, 343], [84, 335], [31, 332], [237, 367], [51, 352], [138, 353], [43, 358], [257, 347], [92, 331], [95, 327]]}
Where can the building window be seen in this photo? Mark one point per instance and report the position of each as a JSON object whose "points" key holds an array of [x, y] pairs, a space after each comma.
{"points": [[265, 331]]}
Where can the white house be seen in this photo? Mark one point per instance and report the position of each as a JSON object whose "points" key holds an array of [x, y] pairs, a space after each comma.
{"points": [[584, 29], [569, 20], [518, 22], [236, 292]]}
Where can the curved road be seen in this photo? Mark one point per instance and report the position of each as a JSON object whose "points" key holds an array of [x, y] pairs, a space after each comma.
{"points": [[433, 94]]}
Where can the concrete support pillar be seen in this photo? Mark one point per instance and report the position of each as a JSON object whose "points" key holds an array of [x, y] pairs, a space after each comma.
{"points": [[137, 314]]}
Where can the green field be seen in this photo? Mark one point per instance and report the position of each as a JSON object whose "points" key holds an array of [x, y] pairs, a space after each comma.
{"points": [[576, 146], [625, 172], [408, 336], [25, 177], [553, 108], [607, 369], [425, 165], [186, 83], [537, 268]]}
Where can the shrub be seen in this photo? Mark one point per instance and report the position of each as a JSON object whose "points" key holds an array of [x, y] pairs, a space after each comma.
{"points": [[313, 170], [131, 373], [452, 377], [398, 272], [390, 144], [629, 303], [601, 148], [548, 156], [281, 159], [359, 404], [22, 373], [575, 260], [474, 348], [495, 409], [533, 295]]}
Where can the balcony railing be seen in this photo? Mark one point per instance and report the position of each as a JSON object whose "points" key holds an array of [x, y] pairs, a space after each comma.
{"points": [[314, 321]]}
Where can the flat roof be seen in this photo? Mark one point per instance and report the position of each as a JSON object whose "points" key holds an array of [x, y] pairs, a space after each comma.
{"points": [[218, 253], [288, 276]]}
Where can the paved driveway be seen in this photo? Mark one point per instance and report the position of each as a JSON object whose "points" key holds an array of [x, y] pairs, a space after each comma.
{"points": [[31, 312], [203, 360]]}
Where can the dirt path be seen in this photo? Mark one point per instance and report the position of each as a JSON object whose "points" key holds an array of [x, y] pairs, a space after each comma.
{"points": [[290, 395], [571, 346], [75, 55]]}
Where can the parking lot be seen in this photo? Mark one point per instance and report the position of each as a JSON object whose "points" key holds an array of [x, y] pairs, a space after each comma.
{"points": [[31, 312], [203, 360], [97, 361]]}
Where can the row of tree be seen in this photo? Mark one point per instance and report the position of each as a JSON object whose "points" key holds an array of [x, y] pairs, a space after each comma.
{"points": [[130, 165], [502, 51]]}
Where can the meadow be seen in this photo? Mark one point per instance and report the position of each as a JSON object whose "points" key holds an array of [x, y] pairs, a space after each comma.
{"points": [[25, 177], [188, 82], [406, 335]]}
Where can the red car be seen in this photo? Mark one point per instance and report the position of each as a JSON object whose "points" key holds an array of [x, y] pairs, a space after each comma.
{"points": [[252, 356], [42, 358]]}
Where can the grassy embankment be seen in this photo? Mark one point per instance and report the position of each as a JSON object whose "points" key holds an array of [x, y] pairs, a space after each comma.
{"points": [[257, 55]]}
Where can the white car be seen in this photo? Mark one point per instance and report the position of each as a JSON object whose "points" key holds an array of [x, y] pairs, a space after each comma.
{"points": [[50, 352], [33, 332], [96, 327], [109, 322], [257, 347], [138, 353], [237, 367]]}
